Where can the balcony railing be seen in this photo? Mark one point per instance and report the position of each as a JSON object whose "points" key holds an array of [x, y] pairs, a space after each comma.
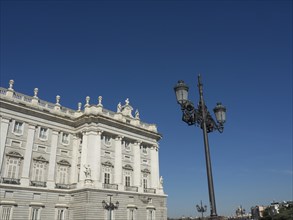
{"points": [[149, 190], [10, 181], [110, 186], [65, 186], [131, 188], [38, 184]]}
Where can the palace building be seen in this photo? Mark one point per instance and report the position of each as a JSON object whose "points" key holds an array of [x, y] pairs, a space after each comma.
{"points": [[84, 164]]}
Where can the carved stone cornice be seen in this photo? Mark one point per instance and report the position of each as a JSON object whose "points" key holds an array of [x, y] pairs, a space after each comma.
{"points": [[108, 164], [127, 167], [14, 154]]}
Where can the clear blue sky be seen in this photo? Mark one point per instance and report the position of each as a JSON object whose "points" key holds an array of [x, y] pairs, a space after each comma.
{"points": [[139, 49]]}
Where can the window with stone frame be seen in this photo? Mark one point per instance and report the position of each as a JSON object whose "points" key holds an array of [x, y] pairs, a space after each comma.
{"points": [[65, 138], [6, 212], [60, 213], [35, 212], [127, 180], [13, 164], [144, 149], [145, 182], [63, 170], [107, 168], [18, 127], [43, 133], [107, 178], [127, 173], [151, 214], [131, 213], [145, 178], [39, 169], [127, 145], [107, 141]]}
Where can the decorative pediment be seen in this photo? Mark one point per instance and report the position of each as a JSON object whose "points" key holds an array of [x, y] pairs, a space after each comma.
{"points": [[14, 154], [108, 164], [127, 167], [145, 171], [41, 159], [64, 163], [126, 109]]}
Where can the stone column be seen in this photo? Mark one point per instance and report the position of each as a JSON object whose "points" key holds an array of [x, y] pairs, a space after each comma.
{"points": [[4, 131], [52, 162], [75, 147], [94, 153], [83, 158], [137, 166], [154, 167], [118, 162], [25, 177]]}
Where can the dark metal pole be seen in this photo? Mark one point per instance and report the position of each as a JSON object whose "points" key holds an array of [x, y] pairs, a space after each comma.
{"points": [[110, 208], [202, 209], [207, 152]]}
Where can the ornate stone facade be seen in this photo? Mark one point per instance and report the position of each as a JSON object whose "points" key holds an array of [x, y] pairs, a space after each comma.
{"points": [[59, 163]]}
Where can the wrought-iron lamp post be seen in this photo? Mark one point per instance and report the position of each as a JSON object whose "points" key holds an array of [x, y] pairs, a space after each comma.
{"points": [[110, 206], [201, 209], [200, 116]]}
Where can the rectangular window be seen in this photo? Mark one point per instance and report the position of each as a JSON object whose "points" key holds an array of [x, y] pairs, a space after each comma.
{"points": [[63, 173], [131, 214], [18, 127], [150, 214], [61, 214], [107, 141], [6, 213], [145, 183], [145, 150], [39, 172], [35, 213], [127, 146], [43, 133], [65, 138], [127, 180], [12, 169], [107, 178]]}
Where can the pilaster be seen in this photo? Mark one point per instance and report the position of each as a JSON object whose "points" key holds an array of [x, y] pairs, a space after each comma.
{"points": [[154, 167], [75, 146], [52, 163], [118, 162], [137, 166], [94, 155], [4, 131], [83, 158], [25, 177]]}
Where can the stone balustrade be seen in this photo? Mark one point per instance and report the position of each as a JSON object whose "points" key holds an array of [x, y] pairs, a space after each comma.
{"points": [[124, 113]]}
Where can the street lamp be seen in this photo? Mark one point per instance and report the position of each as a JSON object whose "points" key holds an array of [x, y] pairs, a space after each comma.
{"points": [[110, 206], [201, 209], [201, 116]]}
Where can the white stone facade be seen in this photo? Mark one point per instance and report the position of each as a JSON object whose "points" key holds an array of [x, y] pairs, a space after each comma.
{"points": [[58, 163]]}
